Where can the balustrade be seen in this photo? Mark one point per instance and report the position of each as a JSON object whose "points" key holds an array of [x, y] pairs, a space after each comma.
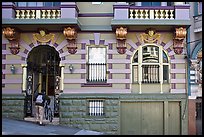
{"points": [[151, 13], [38, 14]]}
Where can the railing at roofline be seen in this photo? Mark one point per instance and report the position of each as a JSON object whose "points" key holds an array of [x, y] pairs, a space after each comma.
{"points": [[38, 13], [162, 12]]}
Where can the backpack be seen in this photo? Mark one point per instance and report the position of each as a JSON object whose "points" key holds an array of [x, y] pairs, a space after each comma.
{"points": [[39, 99]]}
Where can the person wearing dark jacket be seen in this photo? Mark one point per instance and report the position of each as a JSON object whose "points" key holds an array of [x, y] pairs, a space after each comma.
{"points": [[39, 100]]}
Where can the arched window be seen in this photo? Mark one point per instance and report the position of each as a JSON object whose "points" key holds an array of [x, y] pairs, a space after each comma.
{"points": [[150, 64]]}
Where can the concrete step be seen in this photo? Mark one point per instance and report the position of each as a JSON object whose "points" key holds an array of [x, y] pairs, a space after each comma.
{"points": [[55, 120]]}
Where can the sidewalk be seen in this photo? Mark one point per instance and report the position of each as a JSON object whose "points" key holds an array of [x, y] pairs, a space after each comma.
{"points": [[20, 127]]}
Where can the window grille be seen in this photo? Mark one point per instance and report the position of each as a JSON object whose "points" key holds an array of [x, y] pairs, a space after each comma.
{"points": [[96, 107], [150, 73], [96, 72], [96, 66]]}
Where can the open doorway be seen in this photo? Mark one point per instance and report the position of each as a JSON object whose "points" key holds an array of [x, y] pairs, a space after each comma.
{"points": [[42, 69]]}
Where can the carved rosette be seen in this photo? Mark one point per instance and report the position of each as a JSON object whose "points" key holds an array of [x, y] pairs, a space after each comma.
{"points": [[71, 35], [12, 36], [121, 34], [180, 35]]}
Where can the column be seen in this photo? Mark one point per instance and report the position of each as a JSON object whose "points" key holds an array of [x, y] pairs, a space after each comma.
{"points": [[40, 82], [62, 77], [24, 84], [140, 69]]}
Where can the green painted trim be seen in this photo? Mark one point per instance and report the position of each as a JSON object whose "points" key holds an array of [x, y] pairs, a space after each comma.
{"points": [[96, 28], [39, 21], [150, 22]]}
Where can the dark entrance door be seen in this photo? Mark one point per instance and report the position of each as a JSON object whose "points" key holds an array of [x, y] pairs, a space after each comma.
{"points": [[42, 69]]}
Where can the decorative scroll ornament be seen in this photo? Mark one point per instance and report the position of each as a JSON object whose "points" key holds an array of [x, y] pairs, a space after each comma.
{"points": [[150, 36], [13, 36], [121, 34], [180, 35], [42, 37], [71, 35]]}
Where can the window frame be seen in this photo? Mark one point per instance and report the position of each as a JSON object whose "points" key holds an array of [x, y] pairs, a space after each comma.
{"points": [[102, 108], [87, 62], [140, 62]]}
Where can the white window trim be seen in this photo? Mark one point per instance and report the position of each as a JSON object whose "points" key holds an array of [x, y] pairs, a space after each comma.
{"points": [[140, 63]]}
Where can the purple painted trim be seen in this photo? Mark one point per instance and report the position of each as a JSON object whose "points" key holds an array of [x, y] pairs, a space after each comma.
{"points": [[120, 7], [95, 15], [3, 76], [138, 43], [82, 76], [8, 7], [110, 76], [12, 81], [31, 45], [98, 91], [83, 56], [120, 81], [127, 76], [25, 51], [83, 66], [110, 66], [132, 49], [175, 61], [182, 7], [127, 66], [101, 42], [63, 58], [110, 46], [110, 56], [83, 45], [163, 44], [12, 62], [97, 38], [128, 57], [153, 7], [169, 50], [3, 56], [55, 44], [3, 66], [61, 51], [70, 6], [127, 86], [172, 57], [76, 61], [92, 42], [3, 46], [23, 58], [96, 84], [37, 8]]}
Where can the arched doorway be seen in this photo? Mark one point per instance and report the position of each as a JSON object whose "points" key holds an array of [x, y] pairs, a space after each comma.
{"points": [[42, 70]]}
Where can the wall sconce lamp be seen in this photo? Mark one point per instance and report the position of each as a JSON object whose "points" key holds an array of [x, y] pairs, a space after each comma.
{"points": [[13, 69], [71, 68]]}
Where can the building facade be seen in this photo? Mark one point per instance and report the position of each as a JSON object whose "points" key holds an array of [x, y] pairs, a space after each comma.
{"points": [[195, 67], [115, 67]]}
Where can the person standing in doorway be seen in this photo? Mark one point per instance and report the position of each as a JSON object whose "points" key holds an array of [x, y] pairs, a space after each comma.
{"points": [[39, 100]]}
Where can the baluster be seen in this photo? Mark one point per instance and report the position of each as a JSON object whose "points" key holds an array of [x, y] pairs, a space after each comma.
{"points": [[59, 14], [166, 14], [151, 14], [53, 14], [171, 14], [131, 14], [161, 14], [141, 14], [32, 14], [22, 14], [43, 14], [38, 16], [48, 14], [17, 14], [146, 14], [156, 14], [136, 14], [28, 14]]}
